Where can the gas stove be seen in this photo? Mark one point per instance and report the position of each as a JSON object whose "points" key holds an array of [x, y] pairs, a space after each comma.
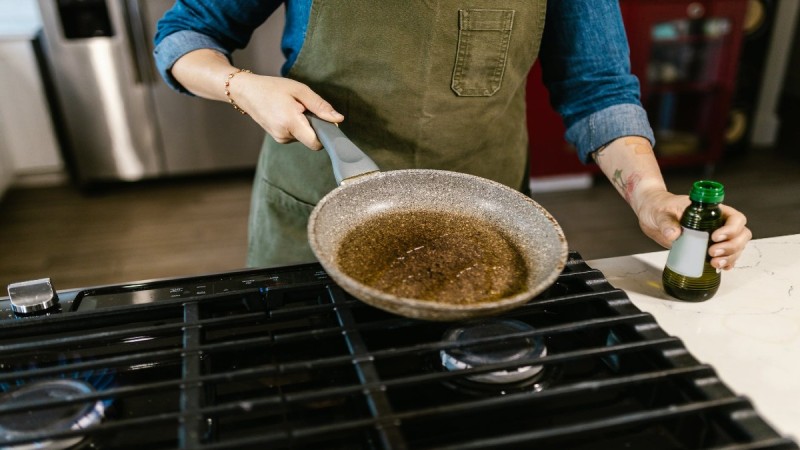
{"points": [[283, 358]]}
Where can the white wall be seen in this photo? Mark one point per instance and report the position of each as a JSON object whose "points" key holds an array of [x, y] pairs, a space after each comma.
{"points": [[18, 14], [28, 144], [766, 122]]}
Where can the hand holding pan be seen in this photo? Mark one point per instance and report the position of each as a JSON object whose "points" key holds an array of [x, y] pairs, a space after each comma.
{"points": [[430, 244]]}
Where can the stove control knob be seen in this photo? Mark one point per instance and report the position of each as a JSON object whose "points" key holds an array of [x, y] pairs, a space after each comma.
{"points": [[31, 297]]}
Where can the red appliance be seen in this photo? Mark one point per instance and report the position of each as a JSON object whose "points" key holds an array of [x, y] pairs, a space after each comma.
{"points": [[685, 54]]}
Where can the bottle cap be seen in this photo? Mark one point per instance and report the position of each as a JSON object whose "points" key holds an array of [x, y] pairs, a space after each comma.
{"points": [[707, 191]]}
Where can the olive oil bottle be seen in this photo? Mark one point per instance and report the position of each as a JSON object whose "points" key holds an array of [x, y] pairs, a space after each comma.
{"points": [[688, 274]]}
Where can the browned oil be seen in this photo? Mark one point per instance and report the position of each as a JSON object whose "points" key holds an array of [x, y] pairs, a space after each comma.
{"points": [[435, 256]]}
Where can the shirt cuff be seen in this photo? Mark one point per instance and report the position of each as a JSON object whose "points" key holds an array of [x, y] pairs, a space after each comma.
{"points": [[606, 125], [177, 44]]}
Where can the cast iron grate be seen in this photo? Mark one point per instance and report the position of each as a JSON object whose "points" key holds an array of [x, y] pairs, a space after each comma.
{"points": [[301, 364]]}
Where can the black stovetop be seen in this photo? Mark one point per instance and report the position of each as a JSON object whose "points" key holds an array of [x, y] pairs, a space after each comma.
{"points": [[283, 358]]}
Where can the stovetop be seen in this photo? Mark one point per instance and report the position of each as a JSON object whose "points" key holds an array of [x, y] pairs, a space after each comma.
{"points": [[283, 358]]}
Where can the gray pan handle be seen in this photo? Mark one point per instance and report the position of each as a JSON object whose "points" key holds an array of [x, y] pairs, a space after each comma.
{"points": [[348, 160]]}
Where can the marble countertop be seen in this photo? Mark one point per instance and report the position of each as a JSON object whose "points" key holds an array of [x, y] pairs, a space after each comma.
{"points": [[749, 331]]}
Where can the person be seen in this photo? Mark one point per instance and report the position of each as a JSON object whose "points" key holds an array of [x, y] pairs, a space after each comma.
{"points": [[437, 85]]}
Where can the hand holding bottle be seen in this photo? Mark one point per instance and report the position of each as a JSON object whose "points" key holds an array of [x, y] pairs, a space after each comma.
{"points": [[659, 217], [630, 164], [688, 274]]}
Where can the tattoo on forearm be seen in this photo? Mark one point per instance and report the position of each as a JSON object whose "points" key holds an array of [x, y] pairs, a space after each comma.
{"points": [[635, 146], [626, 185]]}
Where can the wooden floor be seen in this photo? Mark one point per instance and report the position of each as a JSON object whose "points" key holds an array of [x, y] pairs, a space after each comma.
{"points": [[194, 226]]}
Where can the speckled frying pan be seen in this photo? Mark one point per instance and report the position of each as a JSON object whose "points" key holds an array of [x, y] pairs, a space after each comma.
{"points": [[430, 244]]}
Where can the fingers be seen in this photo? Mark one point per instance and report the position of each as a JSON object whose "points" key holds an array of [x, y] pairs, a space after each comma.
{"points": [[659, 217], [302, 131], [725, 254], [670, 229], [730, 239], [293, 126], [659, 220], [279, 104], [664, 233], [319, 107], [734, 224]]}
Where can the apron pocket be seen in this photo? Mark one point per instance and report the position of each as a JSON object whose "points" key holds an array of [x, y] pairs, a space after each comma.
{"points": [[483, 39], [279, 197], [277, 227]]}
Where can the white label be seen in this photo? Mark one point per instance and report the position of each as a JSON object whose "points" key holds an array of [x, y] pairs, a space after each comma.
{"points": [[688, 253]]}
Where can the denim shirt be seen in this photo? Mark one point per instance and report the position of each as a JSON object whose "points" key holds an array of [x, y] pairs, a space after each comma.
{"points": [[584, 57]]}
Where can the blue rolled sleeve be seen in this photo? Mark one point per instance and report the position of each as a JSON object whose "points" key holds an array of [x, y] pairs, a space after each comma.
{"points": [[600, 128], [177, 44], [221, 25], [586, 68]]}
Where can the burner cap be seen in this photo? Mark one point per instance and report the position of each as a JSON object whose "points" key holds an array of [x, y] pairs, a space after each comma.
{"points": [[49, 420], [493, 352]]}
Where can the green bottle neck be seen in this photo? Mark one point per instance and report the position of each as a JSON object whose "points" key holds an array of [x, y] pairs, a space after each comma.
{"points": [[702, 216]]}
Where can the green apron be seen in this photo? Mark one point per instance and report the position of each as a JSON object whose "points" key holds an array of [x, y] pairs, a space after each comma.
{"points": [[422, 84]]}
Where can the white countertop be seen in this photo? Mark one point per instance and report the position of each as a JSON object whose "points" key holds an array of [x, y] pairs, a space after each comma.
{"points": [[749, 331]]}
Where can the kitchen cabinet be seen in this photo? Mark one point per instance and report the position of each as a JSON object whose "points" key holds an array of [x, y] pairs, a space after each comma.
{"points": [[685, 54]]}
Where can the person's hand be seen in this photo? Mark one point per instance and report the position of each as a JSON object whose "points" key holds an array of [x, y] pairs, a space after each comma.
{"points": [[659, 214], [278, 104], [275, 103]]}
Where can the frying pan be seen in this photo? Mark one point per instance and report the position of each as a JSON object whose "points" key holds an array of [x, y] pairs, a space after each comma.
{"points": [[352, 213]]}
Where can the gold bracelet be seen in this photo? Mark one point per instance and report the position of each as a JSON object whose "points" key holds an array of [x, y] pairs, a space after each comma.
{"points": [[228, 92]]}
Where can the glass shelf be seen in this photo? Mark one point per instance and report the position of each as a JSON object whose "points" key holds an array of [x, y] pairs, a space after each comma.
{"points": [[687, 51]]}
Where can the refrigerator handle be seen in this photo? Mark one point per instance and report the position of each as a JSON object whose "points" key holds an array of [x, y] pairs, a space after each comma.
{"points": [[137, 40]]}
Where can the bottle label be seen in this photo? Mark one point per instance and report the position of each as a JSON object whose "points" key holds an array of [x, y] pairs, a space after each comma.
{"points": [[688, 253]]}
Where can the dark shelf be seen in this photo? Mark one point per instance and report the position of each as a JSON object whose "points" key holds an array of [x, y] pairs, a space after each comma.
{"points": [[705, 87]]}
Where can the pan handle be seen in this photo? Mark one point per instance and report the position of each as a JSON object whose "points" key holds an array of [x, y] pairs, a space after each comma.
{"points": [[347, 159]]}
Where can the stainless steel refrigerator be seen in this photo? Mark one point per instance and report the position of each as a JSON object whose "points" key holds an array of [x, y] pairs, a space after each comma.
{"points": [[117, 117]]}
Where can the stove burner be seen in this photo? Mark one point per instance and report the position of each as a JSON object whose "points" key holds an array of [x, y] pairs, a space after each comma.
{"points": [[509, 350], [288, 359], [98, 378], [49, 420]]}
